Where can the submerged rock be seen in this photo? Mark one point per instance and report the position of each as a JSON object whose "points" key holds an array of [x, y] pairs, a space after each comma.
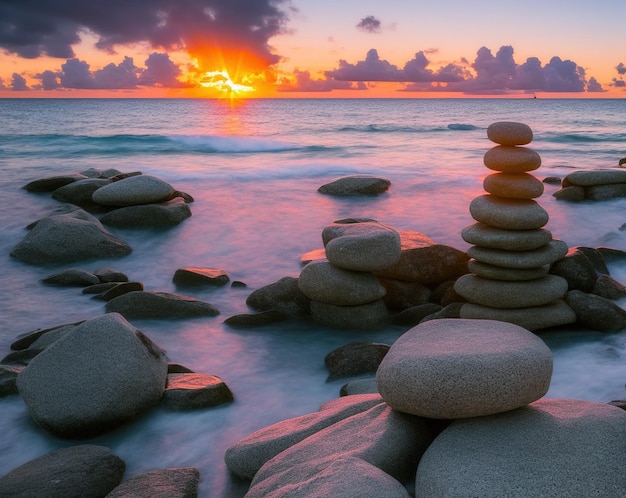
{"points": [[72, 276], [190, 391], [52, 183], [154, 304], [65, 238], [354, 359], [283, 296], [161, 215], [140, 189], [356, 185], [162, 483], [83, 470]]}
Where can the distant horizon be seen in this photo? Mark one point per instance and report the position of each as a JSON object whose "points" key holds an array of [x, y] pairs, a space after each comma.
{"points": [[297, 49]]}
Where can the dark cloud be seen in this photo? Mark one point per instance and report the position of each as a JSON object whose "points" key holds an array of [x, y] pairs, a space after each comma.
{"points": [[160, 71], [369, 24], [621, 68], [498, 74], [18, 83], [214, 31]]}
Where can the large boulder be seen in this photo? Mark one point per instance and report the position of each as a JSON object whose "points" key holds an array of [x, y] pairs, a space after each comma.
{"points": [[596, 312], [140, 189], [155, 304], [99, 375], [577, 269], [455, 368], [86, 471], [391, 441], [422, 260], [248, 455], [79, 193], [554, 447], [68, 237], [163, 483]]}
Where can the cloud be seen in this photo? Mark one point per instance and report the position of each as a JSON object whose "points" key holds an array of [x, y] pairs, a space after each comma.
{"points": [[489, 74], [160, 71], [18, 83], [369, 24], [214, 31], [304, 82], [621, 68]]}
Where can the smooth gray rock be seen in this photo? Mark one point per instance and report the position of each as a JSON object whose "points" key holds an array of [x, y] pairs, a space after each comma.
{"points": [[402, 295], [161, 215], [248, 455], [191, 391], [8, 379], [588, 178], [359, 386], [533, 318], [596, 312], [52, 183], [80, 192], [513, 185], [66, 238], [609, 288], [605, 192], [572, 194], [154, 304], [456, 368], [511, 214], [81, 471], [596, 258], [509, 240], [283, 296], [99, 375], [105, 274], [518, 294], [367, 246], [256, 319], [494, 272], [322, 281], [391, 441], [548, 254], [25, 340], [511, 159], [119, 289], [100, 173], [554, 447], [356, 185], [509, 133], [413, 316], [134, 190], [163, 483], [72, 276], [359, 317], [355, 358]]}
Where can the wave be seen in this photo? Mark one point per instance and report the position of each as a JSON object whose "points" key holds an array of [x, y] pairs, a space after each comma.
{"points": [[573, 138], [129, 144], [392, 128]]}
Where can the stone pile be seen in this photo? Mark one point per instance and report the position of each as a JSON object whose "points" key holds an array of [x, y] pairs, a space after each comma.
{"points": [[477, 383], [593, 185], [512, 252], [343, 289]]}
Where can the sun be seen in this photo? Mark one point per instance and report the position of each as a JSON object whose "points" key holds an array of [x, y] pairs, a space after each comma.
{"points": [[222, 82]]}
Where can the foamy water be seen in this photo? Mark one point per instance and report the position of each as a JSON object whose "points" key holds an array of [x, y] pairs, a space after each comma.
{"points": [[254, 171]]}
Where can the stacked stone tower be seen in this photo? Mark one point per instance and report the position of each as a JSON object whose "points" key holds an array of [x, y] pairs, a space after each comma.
{"points": [[512, 252], [343, 289]]}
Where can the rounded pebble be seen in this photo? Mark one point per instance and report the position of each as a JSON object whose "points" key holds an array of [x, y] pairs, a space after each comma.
{"points": [[509, 133], [511, 159]]}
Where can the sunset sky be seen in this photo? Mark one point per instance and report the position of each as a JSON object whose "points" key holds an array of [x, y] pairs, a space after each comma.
{"points": [[312, 48]]}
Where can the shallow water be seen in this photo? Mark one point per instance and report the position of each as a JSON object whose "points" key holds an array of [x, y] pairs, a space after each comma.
{"points": [[254, 171]]}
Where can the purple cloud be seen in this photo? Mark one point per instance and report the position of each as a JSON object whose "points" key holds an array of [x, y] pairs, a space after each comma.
{"points": [[32, 28], [621, 68], [304, 82], [160, 71], [370, 69], [18, 83], [369, 24]]}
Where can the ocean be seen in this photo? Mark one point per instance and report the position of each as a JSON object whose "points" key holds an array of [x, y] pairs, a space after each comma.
{"points": [[254, 169]]}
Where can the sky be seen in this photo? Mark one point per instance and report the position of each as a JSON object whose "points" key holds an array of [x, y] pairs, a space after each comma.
{"points": [[312, 48]]}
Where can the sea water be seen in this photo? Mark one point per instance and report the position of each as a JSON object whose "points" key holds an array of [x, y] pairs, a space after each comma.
{"points": [[254, 170]]}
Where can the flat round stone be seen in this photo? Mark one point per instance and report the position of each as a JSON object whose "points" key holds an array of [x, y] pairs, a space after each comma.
{"points": [[509, 133], [512, 214], [589, 178], [134, 190], [548, 254], [511, 159], [455, 368], [552, 314], [500, 238], [502, 294], [513, 185], [493, 272]]}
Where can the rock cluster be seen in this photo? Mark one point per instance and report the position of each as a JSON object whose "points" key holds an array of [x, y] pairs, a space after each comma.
{"points": [[343, 289], [593, 185], [476, 385], [512, 252]]}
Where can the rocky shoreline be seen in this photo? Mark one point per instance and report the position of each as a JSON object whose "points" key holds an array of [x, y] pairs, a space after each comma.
{"points": [[481, 381]]}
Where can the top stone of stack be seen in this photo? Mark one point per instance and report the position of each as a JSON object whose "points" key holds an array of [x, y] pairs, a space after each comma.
{"points": [[509, 133]]}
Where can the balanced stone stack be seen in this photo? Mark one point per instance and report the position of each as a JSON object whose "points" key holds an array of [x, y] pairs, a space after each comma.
{"points": [[343, 289], [512, 252]]}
